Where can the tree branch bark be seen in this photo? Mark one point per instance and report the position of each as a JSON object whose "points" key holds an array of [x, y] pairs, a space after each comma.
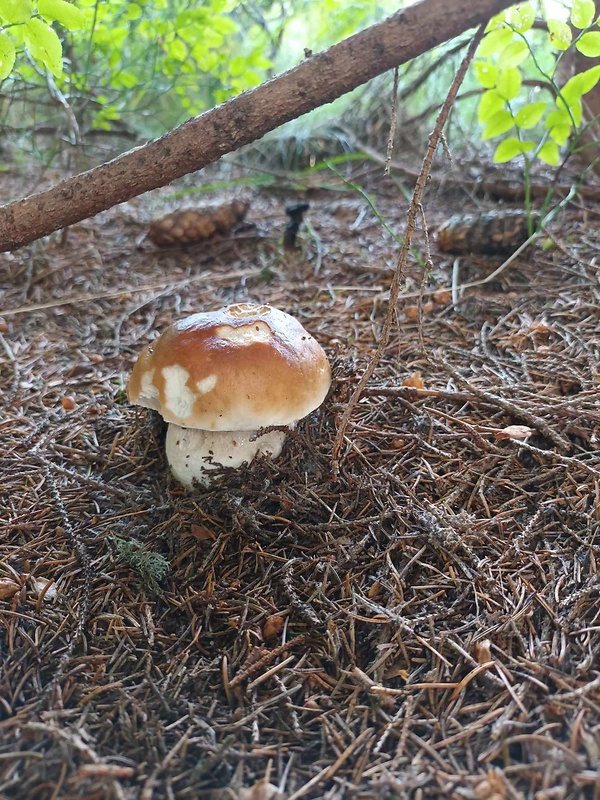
{"points": [[320, 79]]}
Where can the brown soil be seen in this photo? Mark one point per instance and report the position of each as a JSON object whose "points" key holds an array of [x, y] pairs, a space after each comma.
{"points": [[425, 626]]}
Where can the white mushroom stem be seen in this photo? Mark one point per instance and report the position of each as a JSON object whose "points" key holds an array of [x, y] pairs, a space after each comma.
{"points": [[193, 453]]}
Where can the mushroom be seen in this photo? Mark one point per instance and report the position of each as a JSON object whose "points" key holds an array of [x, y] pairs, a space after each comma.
{"points": [[219, 377]]}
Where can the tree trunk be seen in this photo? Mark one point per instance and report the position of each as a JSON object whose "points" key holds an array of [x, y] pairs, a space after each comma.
{"points": [[318, 80]]}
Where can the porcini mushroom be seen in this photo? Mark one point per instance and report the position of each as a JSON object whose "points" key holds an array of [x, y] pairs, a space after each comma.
{"points": [[219, 377]]}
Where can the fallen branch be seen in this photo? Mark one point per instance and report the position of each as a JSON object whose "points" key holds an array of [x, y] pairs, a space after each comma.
{"points": [[320, 79]]}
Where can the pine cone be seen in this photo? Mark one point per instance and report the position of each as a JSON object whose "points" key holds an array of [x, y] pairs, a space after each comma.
{"points": [[494, 232], [194, 225]]}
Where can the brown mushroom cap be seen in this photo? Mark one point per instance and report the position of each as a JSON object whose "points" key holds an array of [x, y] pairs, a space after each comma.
{"points": [[242, 367]]}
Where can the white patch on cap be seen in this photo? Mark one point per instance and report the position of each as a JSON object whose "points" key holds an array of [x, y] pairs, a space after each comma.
{"points": [[207, 384], [256, 333], [179, 398], [149, 394]]}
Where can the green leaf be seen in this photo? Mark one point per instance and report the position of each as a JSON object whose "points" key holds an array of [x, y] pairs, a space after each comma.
{"points": [[560, 34], [574, 106], [495, 41], [558, 117], [579, 85], [522, 17], [133, 12], [224, 25], [490, 104], [509, 83], [44, 45], [588, 79], [69, 16], [183, 19], [237, 65], [549, 154], [192, 35], [485, 73], [589, 44], [205, 59], [7, 55], [124, 79], [510, 148], [177, 50], [496, 22], [559, 126], [514, 54], [213, 38], [497, 125], [16, 11], [530, 115], [583, 13], [258, 60], [560, 134], [250, 78], [507, 150]]}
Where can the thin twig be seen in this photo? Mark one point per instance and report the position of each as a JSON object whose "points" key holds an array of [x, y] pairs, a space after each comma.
{"points": [[413, 212], [393, 119]]}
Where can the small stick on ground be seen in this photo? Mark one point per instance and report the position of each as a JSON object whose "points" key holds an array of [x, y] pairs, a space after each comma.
{"points": [[412, 215]]}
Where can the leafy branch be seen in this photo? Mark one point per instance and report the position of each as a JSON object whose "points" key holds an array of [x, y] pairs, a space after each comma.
{"points": [[503, 53], [539, 129]]}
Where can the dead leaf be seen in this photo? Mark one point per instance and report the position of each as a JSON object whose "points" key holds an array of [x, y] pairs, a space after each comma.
{"points": [[8, 588], [272, 626], [202, 533], [45, 589], [412, 312], [396, 671], [442, 297], [521, 432], [483, 653], [415, 381], [492, 787], [262, 790]]}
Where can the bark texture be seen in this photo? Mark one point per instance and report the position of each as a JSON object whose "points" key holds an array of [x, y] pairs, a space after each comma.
{"points": [[319, 80]]}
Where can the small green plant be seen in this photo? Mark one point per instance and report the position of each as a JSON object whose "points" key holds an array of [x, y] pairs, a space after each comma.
{"points": [[504, 107], [150, 567], [535, 129]]}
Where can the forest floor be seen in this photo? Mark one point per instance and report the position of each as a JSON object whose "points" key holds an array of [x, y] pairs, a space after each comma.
{"points": [[424, 625]]}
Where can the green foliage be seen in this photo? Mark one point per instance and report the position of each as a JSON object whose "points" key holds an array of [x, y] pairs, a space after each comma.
{"points": [[69, 16], [16, 12], [149, 566], [529, 127], [43, 45], [149, 64], [7, 55], [111, 58]]}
